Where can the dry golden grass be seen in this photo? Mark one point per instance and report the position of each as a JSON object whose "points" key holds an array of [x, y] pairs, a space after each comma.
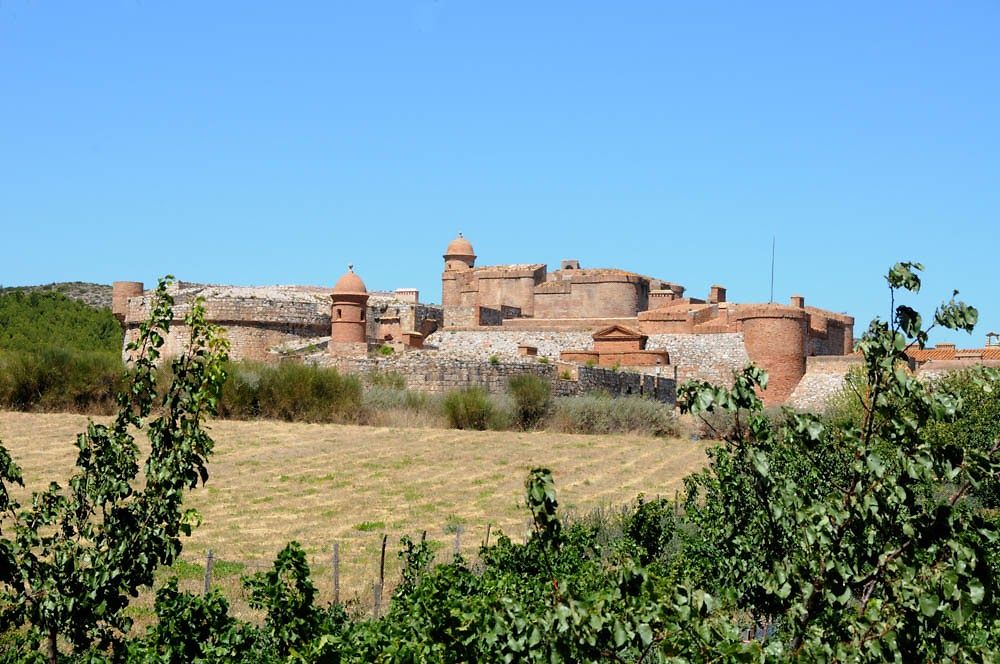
{"points": [[271, 482]]}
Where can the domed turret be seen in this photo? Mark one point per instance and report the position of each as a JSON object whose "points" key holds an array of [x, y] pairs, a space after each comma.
{"points": [[347, 314], [459, 255], [350, 284]]}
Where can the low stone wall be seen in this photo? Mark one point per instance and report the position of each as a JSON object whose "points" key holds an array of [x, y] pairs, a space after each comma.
{"points": [[429, 372], [621, 383], [426, 373]]}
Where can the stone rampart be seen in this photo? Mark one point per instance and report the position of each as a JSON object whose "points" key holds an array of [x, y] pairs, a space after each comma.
{"points": [[255, 318], [431, 372]]}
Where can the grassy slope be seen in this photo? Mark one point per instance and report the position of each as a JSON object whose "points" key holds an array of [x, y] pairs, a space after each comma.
{"points": [[272, 482]]}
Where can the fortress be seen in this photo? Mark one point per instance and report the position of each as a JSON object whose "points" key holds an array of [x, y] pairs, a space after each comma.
{"points": [[583, 328]]}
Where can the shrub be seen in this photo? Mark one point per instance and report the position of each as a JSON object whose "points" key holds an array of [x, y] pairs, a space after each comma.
{"points": [[240, 398], [391, 379], [469, 408], [543, 360], [494, 360], [290, 392], [387, 406], [386, 350], [601, 414], [296, 392], [60, 379], [978, 427], [532, 399]]}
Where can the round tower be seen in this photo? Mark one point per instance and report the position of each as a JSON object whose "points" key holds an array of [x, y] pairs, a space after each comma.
{"points": [[459, 257], [347, 313], [121, 291], [775, 338]]}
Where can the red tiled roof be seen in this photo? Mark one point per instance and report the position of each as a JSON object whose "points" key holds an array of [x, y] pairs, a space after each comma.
{"points": [[949, 353]]}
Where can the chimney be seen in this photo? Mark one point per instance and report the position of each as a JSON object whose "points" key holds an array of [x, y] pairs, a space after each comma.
{"points": [[798, 302], [716, 294]]}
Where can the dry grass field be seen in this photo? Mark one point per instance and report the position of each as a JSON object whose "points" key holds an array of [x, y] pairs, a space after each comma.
{"points": [[271, 482]]}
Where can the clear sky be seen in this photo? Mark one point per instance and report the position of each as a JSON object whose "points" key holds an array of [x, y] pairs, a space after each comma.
{"points": [[262, 143]]}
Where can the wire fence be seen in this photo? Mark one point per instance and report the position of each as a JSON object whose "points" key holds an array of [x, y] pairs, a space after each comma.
{"points": [[224, 572]]}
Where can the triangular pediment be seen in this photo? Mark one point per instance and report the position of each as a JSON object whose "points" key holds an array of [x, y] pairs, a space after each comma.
{"points": [[618, 333]]}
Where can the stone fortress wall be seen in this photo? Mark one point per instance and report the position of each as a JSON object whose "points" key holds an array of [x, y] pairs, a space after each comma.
{"points": [[609, 327]]}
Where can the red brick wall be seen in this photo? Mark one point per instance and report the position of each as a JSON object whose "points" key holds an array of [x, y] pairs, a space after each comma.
{"points": [[617, 345], [347, 321]]}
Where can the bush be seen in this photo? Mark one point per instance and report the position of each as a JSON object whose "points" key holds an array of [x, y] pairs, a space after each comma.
{"points": [[391, 407], [532, 399], [979, 424], [469, 408], [392, 379], [240, 398], [290, 392], [601, 414], [60, 379]]}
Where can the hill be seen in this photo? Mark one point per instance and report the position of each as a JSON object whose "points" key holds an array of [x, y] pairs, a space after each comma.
{"points": [[97, 296], [40, 317]]}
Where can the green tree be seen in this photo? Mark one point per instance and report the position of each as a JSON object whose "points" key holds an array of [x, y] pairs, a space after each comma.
{"points": [[856, 539], [70, 562]]}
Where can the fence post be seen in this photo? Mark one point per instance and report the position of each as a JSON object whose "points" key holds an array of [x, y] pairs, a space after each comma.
{"points": [[376, 599], [209, 561], [458, 539], [336, 572], [381, 578], [486, 544]]}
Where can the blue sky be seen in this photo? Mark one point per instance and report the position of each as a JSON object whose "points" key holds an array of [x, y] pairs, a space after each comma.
{"points": [[258, 143]]}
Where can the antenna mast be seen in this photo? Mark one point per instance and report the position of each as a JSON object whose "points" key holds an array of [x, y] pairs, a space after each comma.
{"points": [[771, 301]]}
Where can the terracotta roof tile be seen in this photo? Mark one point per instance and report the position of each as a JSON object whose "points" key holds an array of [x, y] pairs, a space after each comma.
{"points": [[948, 353]]}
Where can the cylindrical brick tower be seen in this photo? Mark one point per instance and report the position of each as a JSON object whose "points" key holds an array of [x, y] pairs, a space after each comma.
{"points": [[347, 313], [775, 338], [121, 291], [458, 257]]}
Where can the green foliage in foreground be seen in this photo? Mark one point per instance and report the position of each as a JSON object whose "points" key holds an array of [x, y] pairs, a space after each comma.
{"points": [[70, 562], [803, 540], [39, 319]]}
